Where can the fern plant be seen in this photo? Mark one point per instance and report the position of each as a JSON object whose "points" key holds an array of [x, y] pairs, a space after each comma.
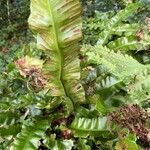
{"points": [[43, 104], [58, 36]]}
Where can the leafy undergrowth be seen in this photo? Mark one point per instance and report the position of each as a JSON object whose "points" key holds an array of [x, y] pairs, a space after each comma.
{"points": [[52, 100]]}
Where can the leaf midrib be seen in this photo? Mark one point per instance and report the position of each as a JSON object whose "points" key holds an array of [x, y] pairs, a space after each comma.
{"points": [[54, 25], [56, 37]]}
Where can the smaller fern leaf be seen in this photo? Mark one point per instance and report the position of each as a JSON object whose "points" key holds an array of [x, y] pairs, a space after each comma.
{"points": [[122, 66], [139, 90], [30, 136], [96, 127], [126, 29], [128, 43]]}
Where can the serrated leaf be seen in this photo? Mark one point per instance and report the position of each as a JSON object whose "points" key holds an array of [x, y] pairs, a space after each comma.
{"points": [[120, 65], [126, 29]]}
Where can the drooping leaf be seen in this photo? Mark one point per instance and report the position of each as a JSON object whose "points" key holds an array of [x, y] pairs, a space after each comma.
{"points": [[30, 136], [105, 82], [58, 26]]}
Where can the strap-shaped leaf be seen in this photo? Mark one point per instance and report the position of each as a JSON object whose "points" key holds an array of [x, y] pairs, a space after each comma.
{"points": [[58, 23], [126, 29], [128, 43], [28, 138], [97, 127]]}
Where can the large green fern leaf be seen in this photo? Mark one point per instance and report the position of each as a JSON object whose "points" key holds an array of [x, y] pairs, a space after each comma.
{"points": [[58, 24]]}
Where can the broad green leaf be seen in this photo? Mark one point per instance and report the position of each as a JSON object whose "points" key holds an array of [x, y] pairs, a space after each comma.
{"points": [[100, 107], [30, 135], [96, 127], [58, 26]]}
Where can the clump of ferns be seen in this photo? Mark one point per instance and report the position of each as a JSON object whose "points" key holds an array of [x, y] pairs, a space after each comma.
{"points": [[135, 119]]}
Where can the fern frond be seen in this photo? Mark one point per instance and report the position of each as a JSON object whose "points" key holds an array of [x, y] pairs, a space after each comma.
{"points": [[128, 43], [120, 65], [58, 24], [126, 69], [96, 127], [126, 29]]}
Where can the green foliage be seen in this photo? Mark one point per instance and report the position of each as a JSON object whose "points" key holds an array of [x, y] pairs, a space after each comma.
{"points": [[117, 19], [30, 135], [96, 127], [135, 76], [62, 47], [127, 143], [42, 101]]}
